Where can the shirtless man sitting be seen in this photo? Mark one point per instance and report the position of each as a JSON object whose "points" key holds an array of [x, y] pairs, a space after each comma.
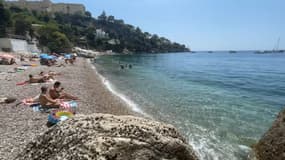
{"points": [[57, 93], [46, 101]]}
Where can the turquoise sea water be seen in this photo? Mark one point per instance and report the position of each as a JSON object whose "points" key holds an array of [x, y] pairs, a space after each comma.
{"points": [[221, 102]]}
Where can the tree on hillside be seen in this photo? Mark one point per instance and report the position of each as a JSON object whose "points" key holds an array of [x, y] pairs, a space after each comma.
{"points": [[15, 9], [59, 31], [59, 43], [46, 31], [51, 37], [88, 14], [4, 19], [22, 27], [102, 17]]}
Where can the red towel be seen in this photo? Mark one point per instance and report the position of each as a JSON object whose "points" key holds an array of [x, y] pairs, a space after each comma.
{"points": [[22, 83]]}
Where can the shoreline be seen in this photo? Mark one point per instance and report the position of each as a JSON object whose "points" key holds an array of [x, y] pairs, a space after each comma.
{"points": [[21, 124], [108, 85]]}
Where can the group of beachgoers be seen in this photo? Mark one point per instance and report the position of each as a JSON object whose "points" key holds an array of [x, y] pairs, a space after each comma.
{"points": [[50, 98], [122, 66], [57, 60], [6, 59], [42, 77]]}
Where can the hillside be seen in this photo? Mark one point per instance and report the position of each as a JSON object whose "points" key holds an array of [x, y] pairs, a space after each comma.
{"points": [[59, 32]]}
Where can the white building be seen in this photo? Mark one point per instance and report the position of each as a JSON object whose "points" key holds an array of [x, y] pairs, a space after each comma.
{"points": [[18, 46]]}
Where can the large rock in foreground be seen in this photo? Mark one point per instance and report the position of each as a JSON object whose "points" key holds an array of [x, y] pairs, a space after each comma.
{"points": [[272, 144], [108, 137]]}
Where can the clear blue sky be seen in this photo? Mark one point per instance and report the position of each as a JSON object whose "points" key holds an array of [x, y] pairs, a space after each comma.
{"points": [[202, 24]]}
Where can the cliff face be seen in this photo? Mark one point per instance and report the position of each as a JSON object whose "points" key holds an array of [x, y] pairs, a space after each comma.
{"points": [[105, 137], [272, 144]]}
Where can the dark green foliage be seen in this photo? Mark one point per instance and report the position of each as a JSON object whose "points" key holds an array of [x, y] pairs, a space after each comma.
{"points": [[127, 36], [56, 41], [15, 9], [22, 27], [4, 19], [88, 14], [59, 32]]}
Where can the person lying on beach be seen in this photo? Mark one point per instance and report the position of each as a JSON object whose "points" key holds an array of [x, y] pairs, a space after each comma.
{"points": [[52, 73], [48, 76], [33, 79], [7, 61], [46, 101], [56, 92]]}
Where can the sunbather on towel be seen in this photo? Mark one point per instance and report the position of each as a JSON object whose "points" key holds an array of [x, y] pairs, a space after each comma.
{"points": [[33, 79], [46, 101], [57, 93], [47, 76]]}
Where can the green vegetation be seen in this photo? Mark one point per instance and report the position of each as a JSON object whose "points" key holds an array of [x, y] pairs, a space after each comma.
{"points": [[4, 20], [59, 32], [51, 37]]}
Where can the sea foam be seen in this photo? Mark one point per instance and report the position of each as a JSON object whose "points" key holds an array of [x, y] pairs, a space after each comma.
{"points": [[114, 91]]}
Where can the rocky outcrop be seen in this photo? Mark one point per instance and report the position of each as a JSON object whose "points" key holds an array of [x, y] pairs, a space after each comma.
{"points": [[272, 144], [108, 137]]}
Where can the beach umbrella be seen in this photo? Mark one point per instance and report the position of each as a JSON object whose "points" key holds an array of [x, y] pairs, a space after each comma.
{"points": [[44, 56], [67, 56]]}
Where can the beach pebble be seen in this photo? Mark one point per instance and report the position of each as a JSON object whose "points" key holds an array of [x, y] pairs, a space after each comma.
{"points": [[111, 137]]}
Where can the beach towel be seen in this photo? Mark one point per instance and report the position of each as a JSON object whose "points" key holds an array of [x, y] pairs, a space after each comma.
{"points": [[35, 105], [22, 68], [68, 105], [22, 83], [51, 81], [29, 65]]}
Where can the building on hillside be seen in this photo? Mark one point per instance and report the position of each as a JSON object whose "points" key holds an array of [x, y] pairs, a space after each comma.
{"points": [[47, 6], [68, 8], [100, 34]]}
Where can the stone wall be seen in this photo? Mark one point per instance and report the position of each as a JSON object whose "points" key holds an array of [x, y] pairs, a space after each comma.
{"points": [[5, 44], [17, 45]]}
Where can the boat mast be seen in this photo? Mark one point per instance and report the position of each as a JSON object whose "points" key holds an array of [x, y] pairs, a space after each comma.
{"points": [[276, 48]]}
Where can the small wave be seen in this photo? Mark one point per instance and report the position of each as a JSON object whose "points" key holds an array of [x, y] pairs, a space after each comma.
{"points": [[112, 89], [209, 147]]}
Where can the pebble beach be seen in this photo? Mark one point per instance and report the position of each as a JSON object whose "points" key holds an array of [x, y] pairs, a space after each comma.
{"points": [[20, 124]]}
